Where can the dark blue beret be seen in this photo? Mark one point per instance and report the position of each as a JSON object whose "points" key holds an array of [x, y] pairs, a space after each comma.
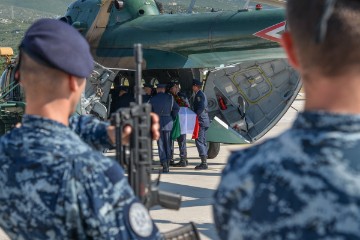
{"points": [[58, 45], [197, 82], [161, 85], [123, 88], [170, 84], [148, 85]]}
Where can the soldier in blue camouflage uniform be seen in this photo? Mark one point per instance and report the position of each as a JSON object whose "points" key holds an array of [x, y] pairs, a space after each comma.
{"points": [[304, 183], [53, 185], [200, 107]]}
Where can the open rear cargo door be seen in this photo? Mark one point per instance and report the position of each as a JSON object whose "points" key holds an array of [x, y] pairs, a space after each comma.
{"points": [[250, 97]]}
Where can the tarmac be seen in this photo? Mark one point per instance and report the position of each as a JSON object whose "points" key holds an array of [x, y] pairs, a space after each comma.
{"points": [[197, 187]]}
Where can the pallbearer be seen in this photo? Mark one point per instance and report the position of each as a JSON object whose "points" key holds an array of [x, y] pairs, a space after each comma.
{"points": [[200, 107], [163, 104]]}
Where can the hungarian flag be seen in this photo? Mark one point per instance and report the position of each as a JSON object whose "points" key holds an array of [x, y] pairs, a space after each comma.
{"points": [[184, 123]]}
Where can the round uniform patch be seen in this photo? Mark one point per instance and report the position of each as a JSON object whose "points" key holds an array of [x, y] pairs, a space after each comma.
{"points": [[140, 220]]}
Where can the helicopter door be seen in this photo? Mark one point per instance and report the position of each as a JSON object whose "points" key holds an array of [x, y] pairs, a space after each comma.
{"points": [[251, 97]]}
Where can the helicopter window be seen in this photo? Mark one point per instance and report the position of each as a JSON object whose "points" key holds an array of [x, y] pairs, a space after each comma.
{"points": [[66, 19], [3, 79], [119, 4], [125, 82], [154, 82], [184, 6]]}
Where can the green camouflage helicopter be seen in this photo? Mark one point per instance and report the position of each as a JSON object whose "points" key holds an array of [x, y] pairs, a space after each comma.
{"points": [[248, 81]]}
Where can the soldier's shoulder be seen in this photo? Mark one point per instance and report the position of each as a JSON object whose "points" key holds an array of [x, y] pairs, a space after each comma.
{"points": [[200, 95], [269, 152], [13, 137]]}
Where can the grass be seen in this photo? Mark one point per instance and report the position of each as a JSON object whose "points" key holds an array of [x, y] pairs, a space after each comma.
{"points": [[15, 19]]}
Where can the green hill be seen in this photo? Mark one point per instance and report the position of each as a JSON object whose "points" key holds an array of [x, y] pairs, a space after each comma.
{"points": [[16, 17], [56, 7]]}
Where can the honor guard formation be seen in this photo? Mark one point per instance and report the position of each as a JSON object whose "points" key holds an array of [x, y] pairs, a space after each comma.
{"points": [[302, 184]]}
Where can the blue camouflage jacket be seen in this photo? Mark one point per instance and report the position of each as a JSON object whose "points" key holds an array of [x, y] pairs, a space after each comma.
{"points": [[303, 184], [91, 130], [55, 186]]}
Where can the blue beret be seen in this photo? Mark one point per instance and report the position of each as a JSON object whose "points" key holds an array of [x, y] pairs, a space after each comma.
{"points": [[148, 85], [197, 82], [161, 85], [58, 45], [123, 88], [170, 85]]}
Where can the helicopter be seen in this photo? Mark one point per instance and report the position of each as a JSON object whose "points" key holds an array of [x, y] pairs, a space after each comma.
{"points": [[247, 79]]}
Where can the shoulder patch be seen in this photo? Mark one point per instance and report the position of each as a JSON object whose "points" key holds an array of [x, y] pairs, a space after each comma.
{"points": [[198, 99], [140, 220]]}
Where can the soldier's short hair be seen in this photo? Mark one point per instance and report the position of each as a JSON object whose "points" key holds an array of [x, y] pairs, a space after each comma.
{"points": [[339, 50]]}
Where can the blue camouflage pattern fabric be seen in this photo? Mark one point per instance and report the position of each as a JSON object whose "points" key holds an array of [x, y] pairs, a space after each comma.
{"points": [[91, 130], [303, 184], [55, 186]]}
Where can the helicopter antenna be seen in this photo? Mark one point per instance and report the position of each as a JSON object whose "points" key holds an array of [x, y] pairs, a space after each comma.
{"points": [[191, 6]]}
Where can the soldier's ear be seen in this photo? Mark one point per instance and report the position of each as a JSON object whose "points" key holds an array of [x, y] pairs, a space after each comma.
{"points": [[288, 44], [74, 83]]}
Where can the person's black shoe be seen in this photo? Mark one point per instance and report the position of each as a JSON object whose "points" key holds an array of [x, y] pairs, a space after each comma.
{"points": [[181, 163], [165, 167], [172, 162], [201, 166]]}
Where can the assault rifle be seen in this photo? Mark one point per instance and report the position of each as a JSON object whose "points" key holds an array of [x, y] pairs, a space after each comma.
{"points": [[136, 158]]}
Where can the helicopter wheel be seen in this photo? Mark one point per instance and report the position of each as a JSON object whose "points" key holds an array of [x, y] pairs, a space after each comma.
{"points": [[213, 149]]}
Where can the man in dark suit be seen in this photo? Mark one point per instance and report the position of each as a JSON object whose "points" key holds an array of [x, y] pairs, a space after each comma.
{"points": [[163, 104], [200, 105], [122, 99]]}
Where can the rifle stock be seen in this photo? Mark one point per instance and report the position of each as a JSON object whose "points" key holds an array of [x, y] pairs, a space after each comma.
{"points": [[186, 232]]}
